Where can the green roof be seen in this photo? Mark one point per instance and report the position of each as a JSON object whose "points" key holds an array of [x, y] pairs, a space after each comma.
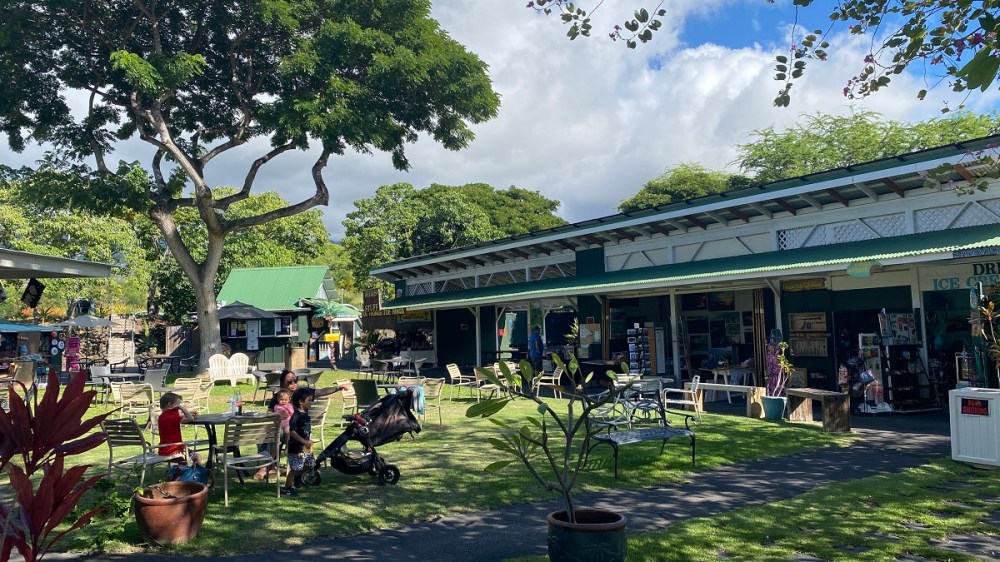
{"points": [[905, 161], [273, 288], [691, 273]]}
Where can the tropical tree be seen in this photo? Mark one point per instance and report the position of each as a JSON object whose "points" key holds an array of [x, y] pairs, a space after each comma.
{"points": [[822, 141], [400, 221], [195, 81], [684, 181], [291, 240]]}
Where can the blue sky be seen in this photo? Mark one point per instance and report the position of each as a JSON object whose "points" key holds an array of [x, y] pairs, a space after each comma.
{"points": [[587, 122]]}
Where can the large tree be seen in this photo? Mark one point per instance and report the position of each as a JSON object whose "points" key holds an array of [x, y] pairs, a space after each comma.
{"points": [[196, 80], [294, 240], [400, 221], [684, 181], [823, 141]]}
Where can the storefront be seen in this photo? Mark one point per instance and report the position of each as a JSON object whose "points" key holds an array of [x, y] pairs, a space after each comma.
{"points": [[822, 260]]}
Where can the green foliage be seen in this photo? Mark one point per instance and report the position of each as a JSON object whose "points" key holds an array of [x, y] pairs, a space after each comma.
{"points": [[194, 83], [553, 446], [29, 222], [954, 42], [827, 141], [291, 240], [684, 181], [639, 28], [400, 221]]}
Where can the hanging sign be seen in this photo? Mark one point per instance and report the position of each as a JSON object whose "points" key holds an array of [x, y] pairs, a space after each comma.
{"points": [[863, 268]]}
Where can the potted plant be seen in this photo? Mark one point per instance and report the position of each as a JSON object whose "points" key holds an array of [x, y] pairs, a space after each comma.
{"points": [[553, 446], [170, 512], [778, 370]]}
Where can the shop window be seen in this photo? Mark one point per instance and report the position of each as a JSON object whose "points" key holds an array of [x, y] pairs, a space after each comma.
{"points": [[237, 329]]}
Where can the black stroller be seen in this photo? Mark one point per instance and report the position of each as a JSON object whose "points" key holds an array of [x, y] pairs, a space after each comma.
{"points": [[384, 421]]}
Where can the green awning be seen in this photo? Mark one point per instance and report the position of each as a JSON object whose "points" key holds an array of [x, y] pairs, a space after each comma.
{"points": [[927, 246]]}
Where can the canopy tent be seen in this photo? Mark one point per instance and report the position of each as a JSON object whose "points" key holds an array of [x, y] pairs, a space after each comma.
{"points": [[240, 311], [85, 321]]}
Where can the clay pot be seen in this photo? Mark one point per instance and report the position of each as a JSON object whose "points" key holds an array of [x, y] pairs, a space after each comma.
{"points": [[596, 535], [170, 512]]}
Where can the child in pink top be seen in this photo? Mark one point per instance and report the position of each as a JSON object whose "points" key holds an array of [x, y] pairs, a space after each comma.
{"points": [[284, 409]]}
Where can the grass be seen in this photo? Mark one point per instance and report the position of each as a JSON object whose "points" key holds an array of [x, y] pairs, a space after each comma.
{"points": [[442, 473], [880, 518]]}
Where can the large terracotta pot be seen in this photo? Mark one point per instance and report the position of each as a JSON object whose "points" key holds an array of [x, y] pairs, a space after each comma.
{"points": [[170, 512], [597, 536]]}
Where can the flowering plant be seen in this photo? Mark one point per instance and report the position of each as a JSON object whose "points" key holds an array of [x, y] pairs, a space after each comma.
{"points": [[777, 367]]}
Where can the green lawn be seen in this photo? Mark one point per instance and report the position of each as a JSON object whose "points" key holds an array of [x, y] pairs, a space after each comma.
{"points": [[442, 473], [880, 518]]}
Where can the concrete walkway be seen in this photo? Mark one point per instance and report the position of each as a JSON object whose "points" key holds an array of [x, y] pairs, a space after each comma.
{"points": [[887, 445]]}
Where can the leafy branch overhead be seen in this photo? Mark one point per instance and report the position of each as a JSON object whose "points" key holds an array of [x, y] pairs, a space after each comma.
{"points": [[640, 28], [954, 43]]}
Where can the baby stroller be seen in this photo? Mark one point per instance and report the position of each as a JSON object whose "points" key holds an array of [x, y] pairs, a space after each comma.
{"points": [[384, 421]]}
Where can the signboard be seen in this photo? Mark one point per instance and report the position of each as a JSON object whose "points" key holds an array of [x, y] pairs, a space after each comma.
{"points": [[863, 268], [796, 285], [974, 407], [371, 304], [960, 275]]}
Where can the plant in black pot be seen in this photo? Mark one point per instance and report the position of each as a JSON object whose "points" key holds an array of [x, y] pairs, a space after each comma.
{"points": [[553, 446]]}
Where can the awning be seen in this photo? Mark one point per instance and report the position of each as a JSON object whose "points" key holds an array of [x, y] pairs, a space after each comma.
{"points": [[24, 265], [9, 327], [910, 248]]}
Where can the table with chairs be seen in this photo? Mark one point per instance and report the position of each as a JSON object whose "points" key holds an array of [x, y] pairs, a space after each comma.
{"points": [[261, 431]]}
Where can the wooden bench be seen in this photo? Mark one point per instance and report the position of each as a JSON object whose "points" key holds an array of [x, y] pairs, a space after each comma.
{"points": [[836, 408], [753, 393]]}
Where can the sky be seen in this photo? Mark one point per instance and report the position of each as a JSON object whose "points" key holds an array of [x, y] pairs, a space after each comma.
{"points": [[588, 122]]}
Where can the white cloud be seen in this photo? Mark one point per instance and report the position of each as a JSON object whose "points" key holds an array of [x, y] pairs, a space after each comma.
{"points": [[587, 122]]}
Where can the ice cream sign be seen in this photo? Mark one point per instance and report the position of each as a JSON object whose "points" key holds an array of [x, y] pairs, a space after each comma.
{"points": [[962, 276]]}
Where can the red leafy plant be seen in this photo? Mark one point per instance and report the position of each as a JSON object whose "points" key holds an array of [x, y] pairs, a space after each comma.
{"points": [[42, 433]]}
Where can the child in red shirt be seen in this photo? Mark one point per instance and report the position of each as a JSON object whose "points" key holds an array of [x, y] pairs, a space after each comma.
{"points": [[169, 423]]}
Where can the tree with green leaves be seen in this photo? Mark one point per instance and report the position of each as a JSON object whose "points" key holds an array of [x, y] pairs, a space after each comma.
{"points": [[27, 225], [401, 222], [287, 241], [195, 81], [823, 141], [685, 181]]}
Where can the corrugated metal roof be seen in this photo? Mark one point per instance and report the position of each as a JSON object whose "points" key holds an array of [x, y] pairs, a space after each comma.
{"points": [[273, 288], [823, 257], [692, 206]]}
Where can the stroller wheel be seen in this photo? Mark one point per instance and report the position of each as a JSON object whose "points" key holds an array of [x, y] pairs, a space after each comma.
{"points": [[312, 478], [388, 474]]}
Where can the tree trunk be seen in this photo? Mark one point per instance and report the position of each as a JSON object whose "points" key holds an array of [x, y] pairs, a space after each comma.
{"points": [[208, 323]]}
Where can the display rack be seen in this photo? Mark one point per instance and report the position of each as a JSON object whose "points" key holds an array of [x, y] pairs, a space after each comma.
{"points": [[641, 354], [907, 385], [873, 401]]}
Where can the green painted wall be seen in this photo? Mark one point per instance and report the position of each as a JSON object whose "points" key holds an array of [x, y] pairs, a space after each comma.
{"points": [[590, 262], [854, 311], [455, 344]]}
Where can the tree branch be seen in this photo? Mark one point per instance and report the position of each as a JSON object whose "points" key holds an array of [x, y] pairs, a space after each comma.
{"points": [[225, 202], [95, 146], [321, 197]]}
